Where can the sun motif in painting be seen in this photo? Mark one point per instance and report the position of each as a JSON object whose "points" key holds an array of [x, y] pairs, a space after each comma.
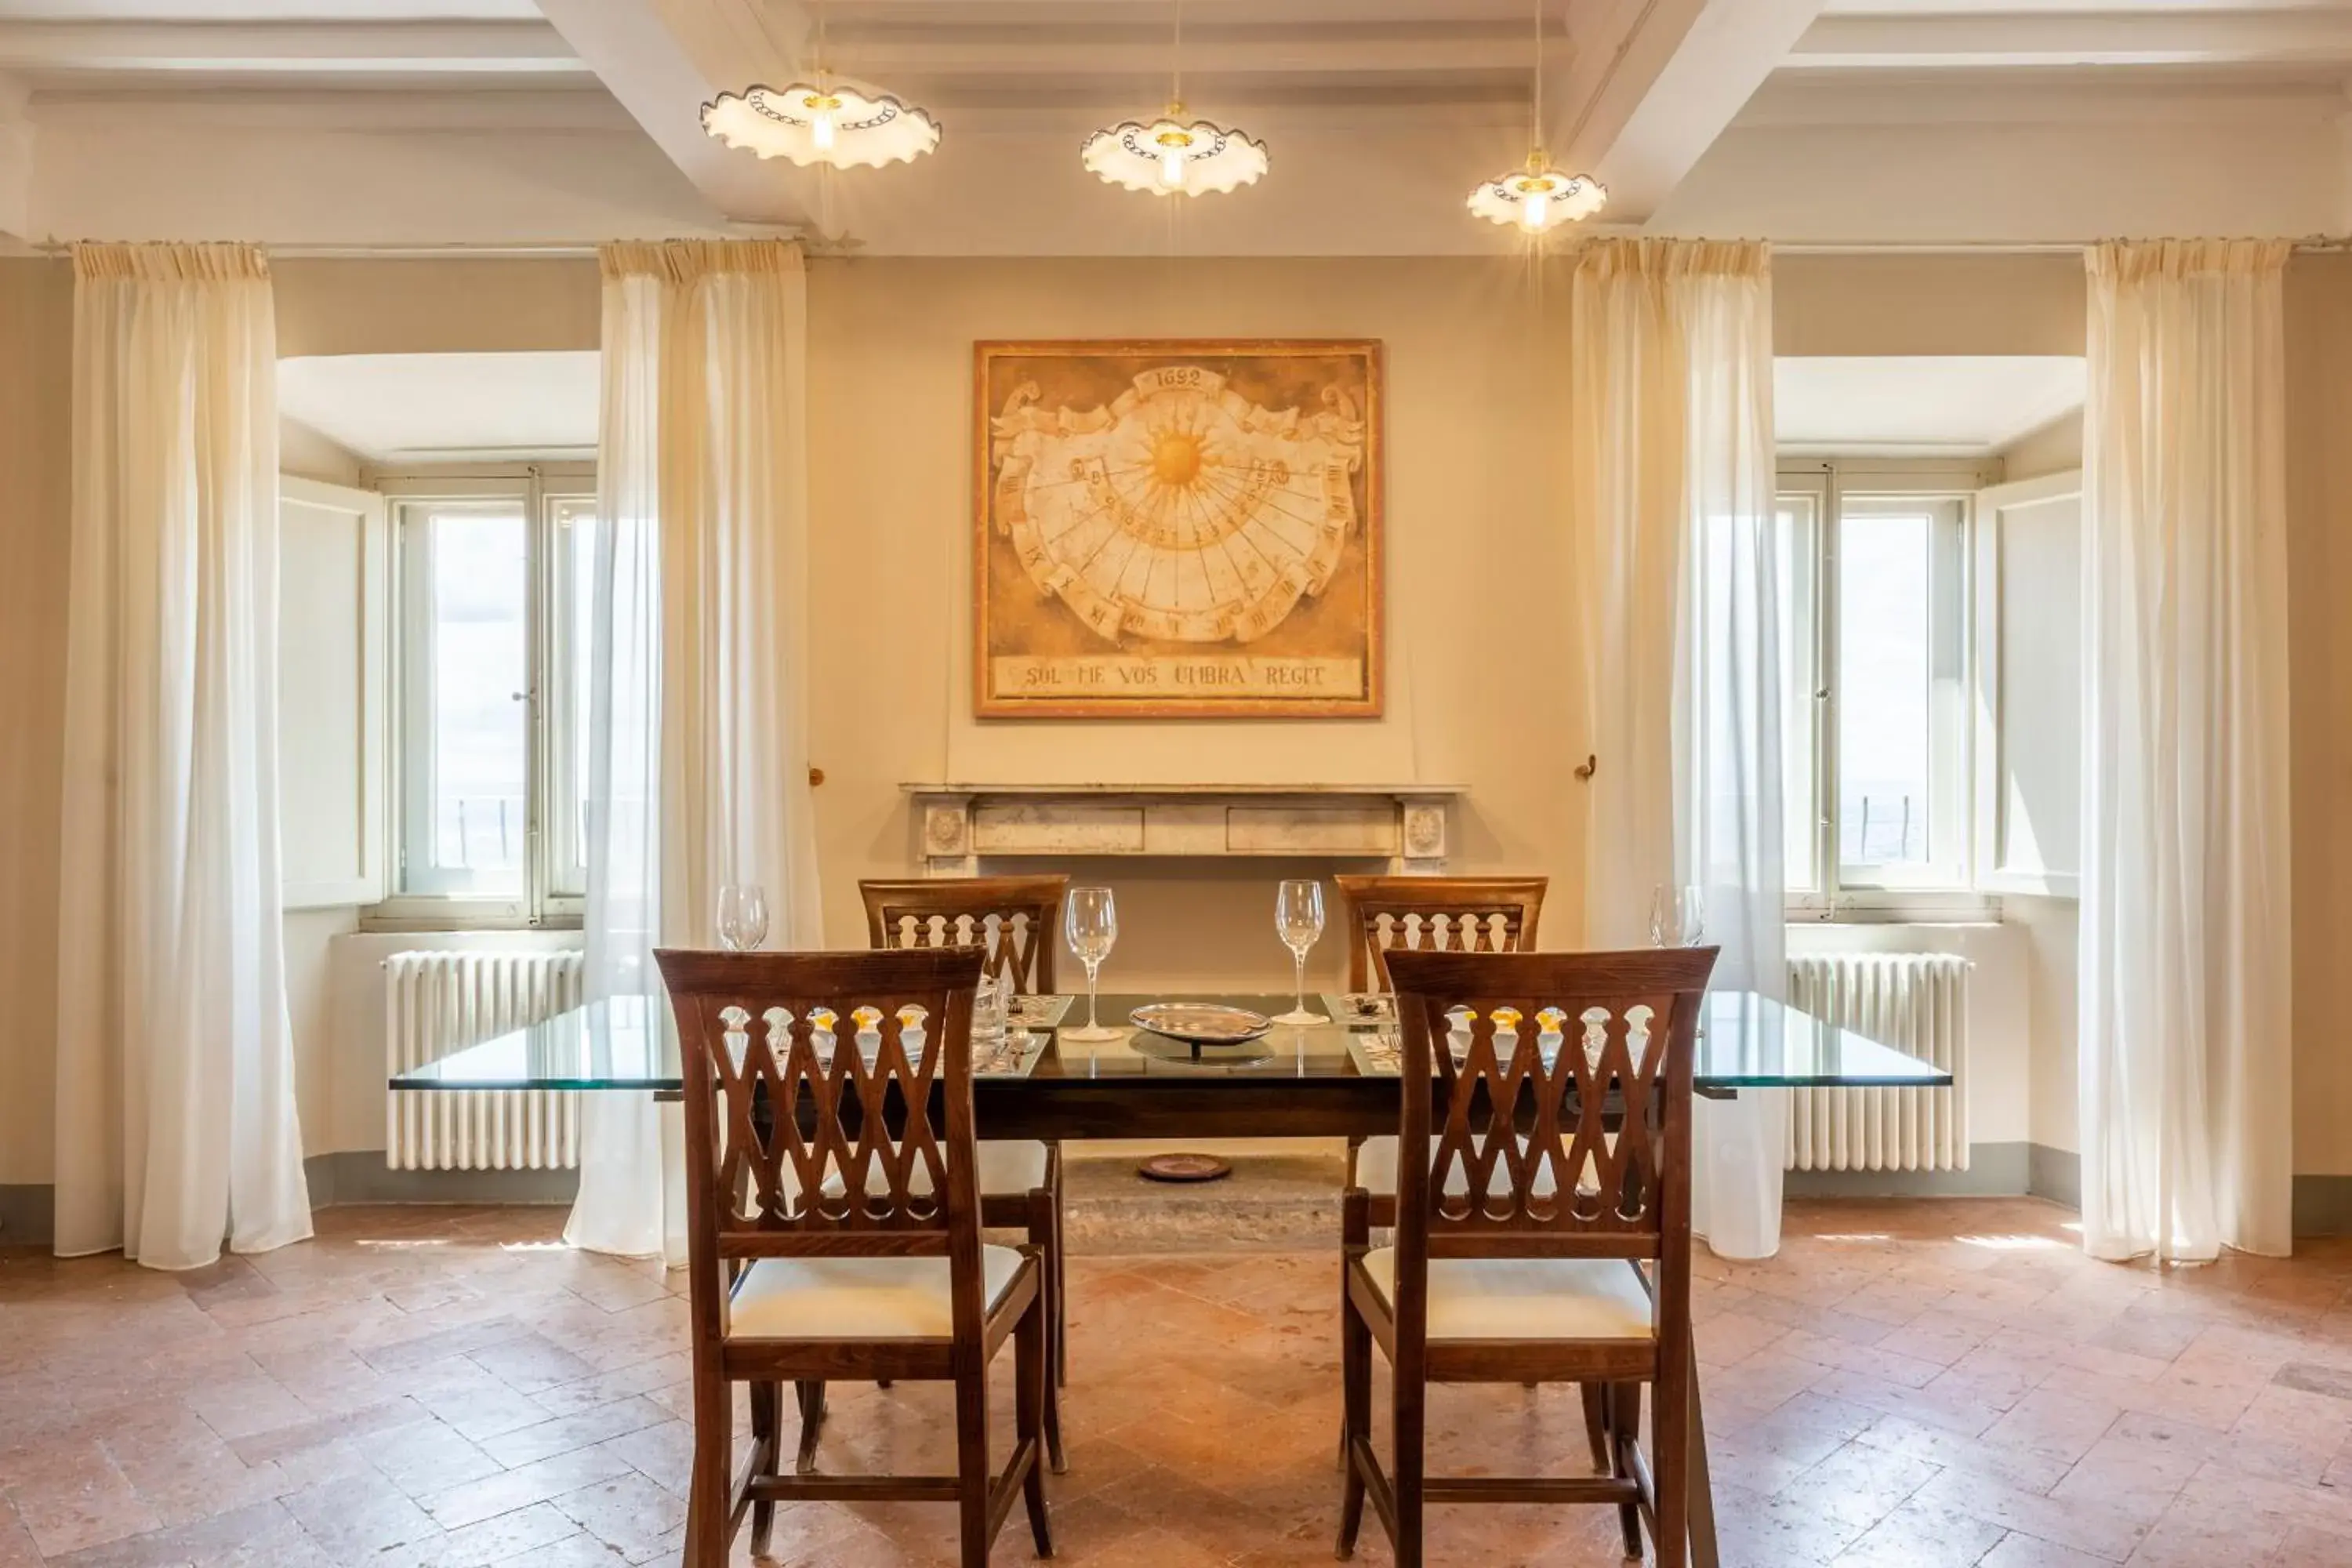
{"points": [[1182, 510]]}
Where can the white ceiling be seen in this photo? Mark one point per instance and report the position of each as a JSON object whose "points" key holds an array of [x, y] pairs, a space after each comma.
{"points": [[1919, 407], [1381, 114], [266, 10], [393, 408]]}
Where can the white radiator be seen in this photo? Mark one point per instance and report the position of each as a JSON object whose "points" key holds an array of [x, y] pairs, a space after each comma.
{"points": [[436, 1003], [1915, 1002]]}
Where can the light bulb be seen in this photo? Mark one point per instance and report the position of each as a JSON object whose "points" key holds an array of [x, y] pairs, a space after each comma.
{"points": [[820, 129], [1533, 211], [1171, 168]]}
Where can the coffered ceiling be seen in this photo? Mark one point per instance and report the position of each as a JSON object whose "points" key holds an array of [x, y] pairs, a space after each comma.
{"points": [[1697, 113]]}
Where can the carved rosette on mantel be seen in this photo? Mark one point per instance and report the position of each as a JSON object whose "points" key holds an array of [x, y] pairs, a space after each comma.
{"points": [[959, 824]]}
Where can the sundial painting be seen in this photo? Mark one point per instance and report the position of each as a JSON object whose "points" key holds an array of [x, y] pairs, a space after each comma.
{"points": [[1178, 528]]}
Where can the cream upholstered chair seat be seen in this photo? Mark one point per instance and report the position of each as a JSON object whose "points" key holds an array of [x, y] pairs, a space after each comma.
{"points": [[1011, 1165], [1376, 1172], [857, 1297], [1527, 1298]]}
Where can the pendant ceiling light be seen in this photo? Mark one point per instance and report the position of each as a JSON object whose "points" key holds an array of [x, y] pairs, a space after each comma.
{"points": [[1173, 155], [1536, 198], [828, 120]]}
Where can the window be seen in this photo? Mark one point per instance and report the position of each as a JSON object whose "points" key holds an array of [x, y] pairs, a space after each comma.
{"points": [[1877, 731], [493, 579]]}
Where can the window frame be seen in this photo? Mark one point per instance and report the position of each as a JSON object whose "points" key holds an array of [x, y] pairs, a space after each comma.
{"points": [[1839, 892], [554, 890]]}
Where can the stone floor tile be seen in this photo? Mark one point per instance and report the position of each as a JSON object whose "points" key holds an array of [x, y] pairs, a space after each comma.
{"points": [[473, 1501], [628, 1514], [1922, 1385], [71, 1496], [356, 1520], [1920, 1535]]}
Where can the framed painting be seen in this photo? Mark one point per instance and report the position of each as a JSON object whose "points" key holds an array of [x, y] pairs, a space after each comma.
{"points": [[1177, 529]]}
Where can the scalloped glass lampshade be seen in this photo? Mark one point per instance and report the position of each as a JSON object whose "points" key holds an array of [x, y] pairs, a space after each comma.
{"points": [[1173, 156], [834, 123], [1538, 197]]}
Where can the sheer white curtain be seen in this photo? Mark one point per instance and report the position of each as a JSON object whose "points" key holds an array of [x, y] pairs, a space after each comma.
{"points": [[2186, 1098], [176, 1122], [699, 772], [1671, 457]]}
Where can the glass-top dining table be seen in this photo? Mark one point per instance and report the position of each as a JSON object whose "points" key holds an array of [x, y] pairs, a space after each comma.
{"points": [[1298, 1080]]}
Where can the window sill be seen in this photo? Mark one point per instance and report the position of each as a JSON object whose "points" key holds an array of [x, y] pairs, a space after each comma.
{"points": [[451, 916], [1896, 908]]}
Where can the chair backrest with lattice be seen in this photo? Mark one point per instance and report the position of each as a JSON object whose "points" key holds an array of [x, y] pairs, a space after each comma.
{"points": [[1435, 914], [1017, 919], [829, 1110], [1533, 1056]]}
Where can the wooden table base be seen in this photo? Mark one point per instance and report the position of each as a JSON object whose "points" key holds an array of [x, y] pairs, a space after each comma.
{"points": [[1183, 1168]]}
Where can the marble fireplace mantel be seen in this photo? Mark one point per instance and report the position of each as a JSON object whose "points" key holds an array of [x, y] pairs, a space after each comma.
{"points": [[959, 824]]}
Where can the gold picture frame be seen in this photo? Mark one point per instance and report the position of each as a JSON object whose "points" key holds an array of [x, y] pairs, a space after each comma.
{"points": [[1178, 528]]}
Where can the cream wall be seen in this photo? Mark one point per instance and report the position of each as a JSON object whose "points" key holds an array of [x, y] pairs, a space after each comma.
{"points": [[2049, 927], [323, 307], [2034, 304], [36, 432], [334, 990], [1482, 687], [2319, 670]]}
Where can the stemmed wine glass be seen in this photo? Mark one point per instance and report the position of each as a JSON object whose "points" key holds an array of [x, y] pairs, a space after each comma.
{"points": [[1298, 920], [1677, 916], [1091, 925], [742, 916]]}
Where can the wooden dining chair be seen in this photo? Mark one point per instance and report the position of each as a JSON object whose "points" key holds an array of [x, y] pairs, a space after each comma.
{"points": [[1016, 922], [1584, 1277], [1425, 914], [1435, 914], [834, 1227]]}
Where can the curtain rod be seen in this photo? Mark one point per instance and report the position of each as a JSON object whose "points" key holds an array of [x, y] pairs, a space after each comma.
{"points": [[2310, 242], [354, 252]]}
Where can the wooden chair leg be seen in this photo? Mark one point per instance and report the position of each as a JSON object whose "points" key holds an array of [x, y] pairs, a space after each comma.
{"points": [[1624, 1431], [1596, 1426], [973, 1478], [811, 1403], [707, 1505], [1670, 1454], [1411, 1396], [1060, 1276], [768, 1444], [1033, 1376], [1045, 1226], [1356, 1415]]}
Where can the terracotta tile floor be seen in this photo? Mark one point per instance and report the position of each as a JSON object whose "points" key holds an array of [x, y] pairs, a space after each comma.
{"points": [[1909, 1386]]}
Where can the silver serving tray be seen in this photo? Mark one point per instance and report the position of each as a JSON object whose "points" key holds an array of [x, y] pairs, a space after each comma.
{"points": [[1201, 1023], [1360, 1009]]}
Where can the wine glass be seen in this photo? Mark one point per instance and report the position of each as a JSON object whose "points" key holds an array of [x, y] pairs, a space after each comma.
{"points": [[1299, 920], [1091, 925], [742, 916], [1677, 916]]}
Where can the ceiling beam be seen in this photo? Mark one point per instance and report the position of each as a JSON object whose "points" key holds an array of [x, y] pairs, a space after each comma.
{"points": [[882, 53], [1650, 84], [370, 48], [664, 60], [2012, 39]]}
